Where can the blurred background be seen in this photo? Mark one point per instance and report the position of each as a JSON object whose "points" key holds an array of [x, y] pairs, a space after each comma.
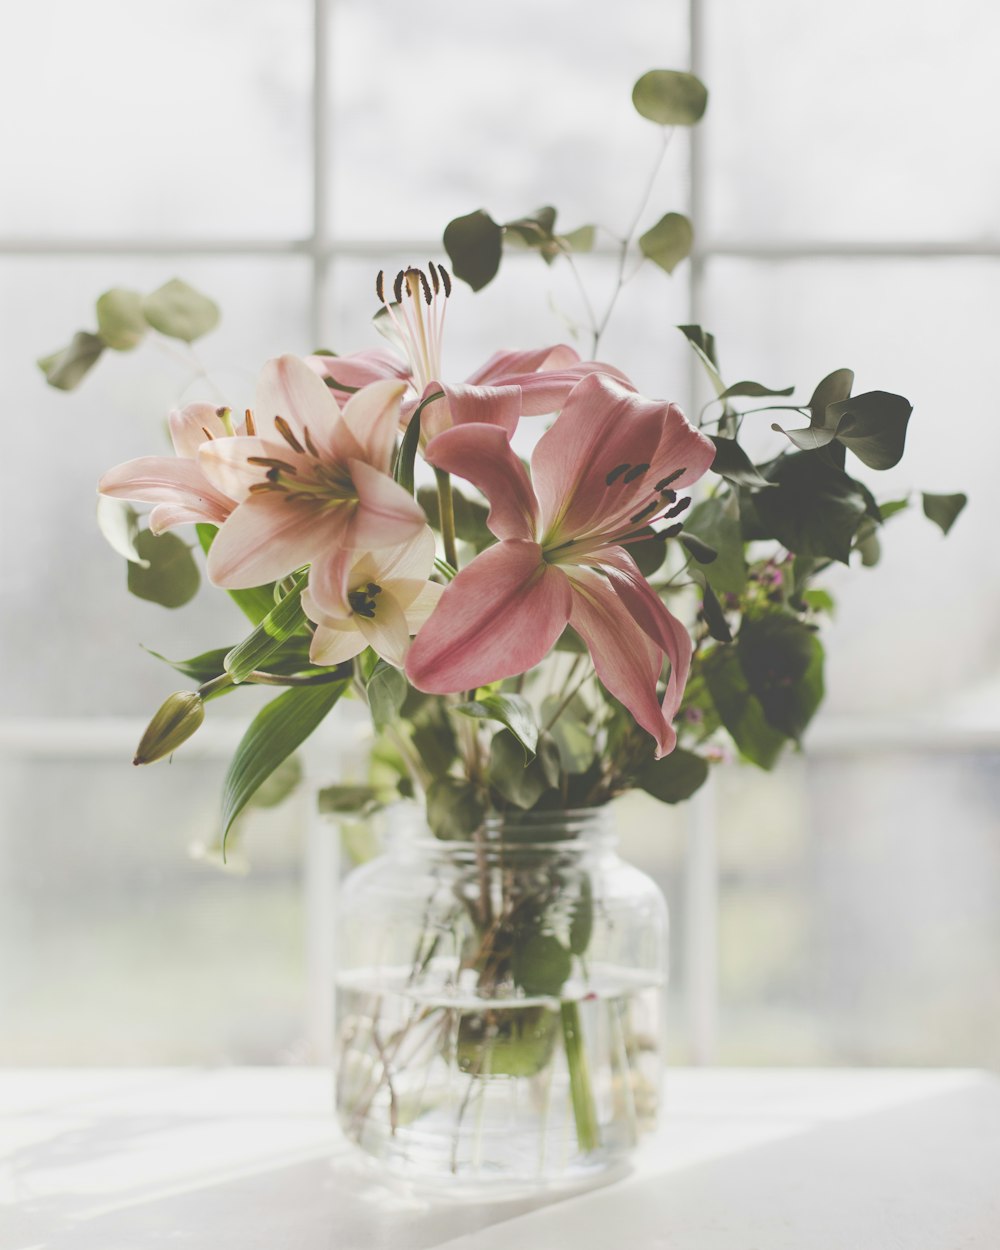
{"points": [[845, 191]]}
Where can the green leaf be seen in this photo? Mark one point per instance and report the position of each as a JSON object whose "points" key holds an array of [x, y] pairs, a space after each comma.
{"points": [[670, 97], [540, 964], [347, 800], [675, 777], [511, 710], [649, 553], [118, 521], [819, 601], [715, 617], [698, 550], [284, 619], [668, 242], [944, 510], [520, 783], [255, 602], [733, 463], [816, 509], [739, 709], [281, 783], [535, 231], [66, 369], [570, 732], [886, 510], [200, 668], [386, 690], [169, 575], [716, 521], [120, 322], [581, 924], [402, 470], [473, 244], [833, 389], [180, 312], [873, 426], [753, 390], [579, 240], [782, 660], [433, 737], [275, 732], [703, 345], [455, 808]]}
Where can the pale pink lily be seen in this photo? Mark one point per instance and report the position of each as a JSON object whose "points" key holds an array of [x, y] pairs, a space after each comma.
{"points": [[377, 599], [508, 386], [311, 481], [609, 466], [176, 484]]}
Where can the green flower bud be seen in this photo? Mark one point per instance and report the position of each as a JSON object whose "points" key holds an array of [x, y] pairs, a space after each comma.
{"points": [[175, 722]]}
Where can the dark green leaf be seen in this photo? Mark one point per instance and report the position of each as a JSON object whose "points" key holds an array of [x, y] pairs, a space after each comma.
{"points": [[703, 345], [402, 470], [118, 521], [733, 463], [833, 389], [715, 618], [347, 800], [753, 390], [668, 242], [179, 311], [700, 551], [739, 710], [670, 97], [534, 231], [540, 964], [675, 777], [434, 738], [200, 668], [170, 577], [943, 510], [386, 689], [275, 732], [65, 370], [716, 521], [873, 426], [570, 732], [285, 619], [886, 510], [649, 553], [473, 244], [520, 783], [866, 542], [510, 710], [579, 240], [455, 808], [782, 661], [818, 601], [816, 509], [120, 322]]}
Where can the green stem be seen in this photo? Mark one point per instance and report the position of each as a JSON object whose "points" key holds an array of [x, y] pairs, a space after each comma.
{"points": [[584, 1112], [446, 506]]}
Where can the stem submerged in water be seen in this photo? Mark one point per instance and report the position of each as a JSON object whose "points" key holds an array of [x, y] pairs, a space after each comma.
{"points": [[581, 1092]]}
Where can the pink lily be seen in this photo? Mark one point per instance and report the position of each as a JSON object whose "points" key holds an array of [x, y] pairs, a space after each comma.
{"points": [[377, 599], [609, 466], [508, 386], [176, 484], [312, 480]]}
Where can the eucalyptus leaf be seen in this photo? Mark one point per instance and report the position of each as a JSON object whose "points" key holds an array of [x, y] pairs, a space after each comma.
{"points": [[455, 808], [715, 617], [740, 710], [179, 311], [703, 345], [168, 574], [520, 783], [716, 521], [343, 800], [510, 710], [944, 510], [833, 389], [579, 240], [753, 390], [118, 521], [276, 731], [386, 690], [782, 660], [534, 231], [668, 242], [699, 550], [675, 777], [886, 510], [670, 97], [473, 244], [733, 463], [66, 369], [120, 322], [649, 553], [816, 509], [571, 732], [872, 426]]}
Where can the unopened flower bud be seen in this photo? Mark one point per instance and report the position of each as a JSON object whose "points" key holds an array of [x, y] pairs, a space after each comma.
{"points": [[175, 722]]}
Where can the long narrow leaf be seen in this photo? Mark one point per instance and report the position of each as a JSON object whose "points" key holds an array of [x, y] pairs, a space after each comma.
{"points": [[275, 732], [284, 620]]}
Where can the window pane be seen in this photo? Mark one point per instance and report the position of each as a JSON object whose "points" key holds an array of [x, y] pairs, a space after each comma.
{"points": [[868, 119], [179, 118], [496, 108], [66, 621]]}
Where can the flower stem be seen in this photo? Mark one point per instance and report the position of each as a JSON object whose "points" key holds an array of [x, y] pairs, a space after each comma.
{"points": [[584, 1113], [446, 506]]}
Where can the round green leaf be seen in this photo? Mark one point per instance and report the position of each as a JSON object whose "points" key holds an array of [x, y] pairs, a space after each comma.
{"points": [[668, 242], [473, 244], [540, 964], [670, 97], [169, 575], [120, 322], [675, 777], [180, 312], [118, 521], [943, 510], [65, 370]]}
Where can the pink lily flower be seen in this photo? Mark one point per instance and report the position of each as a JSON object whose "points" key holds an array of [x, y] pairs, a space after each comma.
{"points": [[377, 599], [508, 386], [176, 484], [609, 467], [312, 480]]}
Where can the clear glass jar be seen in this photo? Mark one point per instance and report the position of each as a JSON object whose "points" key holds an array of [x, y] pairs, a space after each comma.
{"points": [[500, 1003]]}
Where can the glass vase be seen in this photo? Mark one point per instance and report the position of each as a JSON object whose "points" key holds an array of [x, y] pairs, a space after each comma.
{"points": [[500, 1004]]}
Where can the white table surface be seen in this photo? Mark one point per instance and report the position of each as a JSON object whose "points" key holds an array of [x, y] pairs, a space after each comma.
{"points": [[746, 1160]]}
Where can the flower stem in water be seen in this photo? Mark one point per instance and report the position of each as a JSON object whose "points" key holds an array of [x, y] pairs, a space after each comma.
{"points": [[581, 1092]]}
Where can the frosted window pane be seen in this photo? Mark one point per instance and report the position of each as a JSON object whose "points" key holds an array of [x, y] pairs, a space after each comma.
{"points": [[923, 628], [70, 632], [861, 119], [503, 108], [184, 117]]}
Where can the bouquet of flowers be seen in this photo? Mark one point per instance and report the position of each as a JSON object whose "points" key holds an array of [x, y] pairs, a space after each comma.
{"points": [[530, 637]]}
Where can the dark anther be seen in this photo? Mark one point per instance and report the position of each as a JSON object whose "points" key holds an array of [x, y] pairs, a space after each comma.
{"points": [[445, 280], [616, 473], [435, 280], [397, 287], [251, 428], [363, 601], [310, 445], [373, 589], [208, 434], [668, 495], [421, 277], [637, 470], [380, 287], [285, 430], [664, 482], [682, 505], [649, 509], [221, 412], [272, 475], [672, 530]]}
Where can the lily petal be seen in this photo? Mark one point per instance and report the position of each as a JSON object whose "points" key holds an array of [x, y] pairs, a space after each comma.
{"points": [[267, 537], [166, 515], [499, 617], [358, 369], [627, 660], [162, 479], [385, 515], [368, 424], [420, 608], [386, 632], [483, 405], [333, 646], [483, 455], [194, 425], [289, 389], [502, 365], [225, 462]]}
